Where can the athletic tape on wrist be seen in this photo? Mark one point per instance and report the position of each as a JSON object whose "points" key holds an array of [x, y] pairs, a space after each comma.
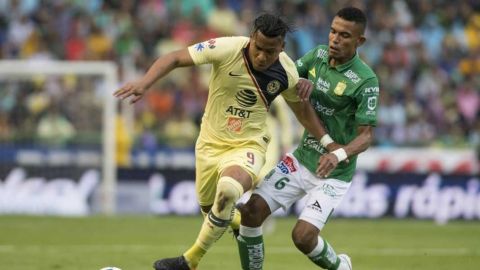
{"points": [[326, 140], [340, 154]]}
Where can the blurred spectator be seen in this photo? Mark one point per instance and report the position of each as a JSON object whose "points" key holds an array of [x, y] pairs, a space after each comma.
{"points": [[99, 45], [123, 142], [54, 129], [180, 130], [6, 133], [426, 54], [223, 19]]}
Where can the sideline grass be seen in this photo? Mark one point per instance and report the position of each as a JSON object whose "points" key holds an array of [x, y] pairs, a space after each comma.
{"points": [[134, 242]]}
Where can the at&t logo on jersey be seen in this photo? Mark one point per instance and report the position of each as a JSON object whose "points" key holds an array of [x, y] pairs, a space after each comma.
{"points": [[287, 165], [238, 112]]}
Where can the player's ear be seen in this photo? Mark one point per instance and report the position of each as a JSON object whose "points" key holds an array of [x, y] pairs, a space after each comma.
{"points": [[361, 39]]}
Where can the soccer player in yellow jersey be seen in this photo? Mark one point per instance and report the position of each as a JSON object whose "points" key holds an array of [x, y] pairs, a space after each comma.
{"points": [[247, 74]]}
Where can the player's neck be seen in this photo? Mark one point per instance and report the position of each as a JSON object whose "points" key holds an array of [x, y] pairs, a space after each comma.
{"points": [[333, 62]]}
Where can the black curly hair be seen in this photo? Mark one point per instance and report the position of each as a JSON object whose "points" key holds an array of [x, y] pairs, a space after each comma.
{"points": [[271, 25]]}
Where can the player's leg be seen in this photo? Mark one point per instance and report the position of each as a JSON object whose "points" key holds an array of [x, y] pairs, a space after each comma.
{"points": [[206, 176], [250, 239], [231, 185], [320, 204], [280, 188], [238, 168]]}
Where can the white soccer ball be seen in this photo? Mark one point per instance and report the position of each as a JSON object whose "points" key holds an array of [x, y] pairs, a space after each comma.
{"points": [[110, 268]]}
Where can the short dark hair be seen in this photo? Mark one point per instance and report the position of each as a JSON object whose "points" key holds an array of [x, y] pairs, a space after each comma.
{"points": [[271, 25], [353, 14]]}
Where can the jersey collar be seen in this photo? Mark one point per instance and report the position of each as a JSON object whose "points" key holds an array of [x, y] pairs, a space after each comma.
{"points": [[344, 66]]}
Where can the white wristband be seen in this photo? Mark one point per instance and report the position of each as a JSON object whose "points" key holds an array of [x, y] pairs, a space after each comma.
{"points": [[340, 154], [326, 140]]}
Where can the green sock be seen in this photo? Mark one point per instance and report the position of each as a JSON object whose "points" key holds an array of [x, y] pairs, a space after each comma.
{"points": [[251, 249], [324, 256]]}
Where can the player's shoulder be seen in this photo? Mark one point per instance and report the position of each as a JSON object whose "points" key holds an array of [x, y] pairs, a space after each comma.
{"points": [[320, 52], [288, 65], [232, 41], [363, 69]]}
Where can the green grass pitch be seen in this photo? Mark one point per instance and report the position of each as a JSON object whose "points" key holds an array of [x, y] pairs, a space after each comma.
{"points": [[134, 242]]}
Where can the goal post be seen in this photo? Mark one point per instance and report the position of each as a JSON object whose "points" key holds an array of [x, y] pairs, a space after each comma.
{"points": [[106, 70]]}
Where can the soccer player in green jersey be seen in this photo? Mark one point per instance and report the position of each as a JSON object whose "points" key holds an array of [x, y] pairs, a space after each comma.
{"points": [[345, 97], [248, 73]]}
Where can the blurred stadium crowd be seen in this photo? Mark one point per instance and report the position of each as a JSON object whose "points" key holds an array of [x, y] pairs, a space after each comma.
{"points": [[425, 52]]}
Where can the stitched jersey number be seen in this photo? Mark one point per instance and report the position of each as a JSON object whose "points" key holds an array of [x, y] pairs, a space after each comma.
{"points": [[281, 183], [251, 158]]}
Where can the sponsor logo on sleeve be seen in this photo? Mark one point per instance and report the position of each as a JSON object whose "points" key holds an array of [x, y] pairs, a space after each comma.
{"points": [[371, 90], [211, 43], [199, 47], [371, 105]]}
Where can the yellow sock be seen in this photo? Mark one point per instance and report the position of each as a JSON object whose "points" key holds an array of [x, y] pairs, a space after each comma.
{"points": [[217, 220]]}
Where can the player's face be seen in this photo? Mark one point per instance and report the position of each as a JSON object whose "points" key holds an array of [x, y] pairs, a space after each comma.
{"points": [[344, 39], [264, 51]]}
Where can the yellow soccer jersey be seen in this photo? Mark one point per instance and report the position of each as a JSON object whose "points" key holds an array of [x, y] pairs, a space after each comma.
{"points": [[239, 96]]}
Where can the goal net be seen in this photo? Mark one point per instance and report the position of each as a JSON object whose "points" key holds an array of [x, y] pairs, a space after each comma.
{"points": [[57, 137]]}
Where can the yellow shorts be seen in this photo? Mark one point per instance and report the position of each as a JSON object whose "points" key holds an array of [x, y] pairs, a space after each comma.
{"points": [[211, 159]]}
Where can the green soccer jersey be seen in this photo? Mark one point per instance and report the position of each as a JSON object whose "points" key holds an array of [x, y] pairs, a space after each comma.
{"points": [[344, 97]]}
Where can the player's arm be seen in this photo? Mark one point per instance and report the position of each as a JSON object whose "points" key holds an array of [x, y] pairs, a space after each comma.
{"points": [[308, 118], [304, 88], [161, 67], [366, 99], [329, 162]]}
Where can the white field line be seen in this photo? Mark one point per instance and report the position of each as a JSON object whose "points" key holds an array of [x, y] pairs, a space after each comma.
{"points": [[428, 251]]}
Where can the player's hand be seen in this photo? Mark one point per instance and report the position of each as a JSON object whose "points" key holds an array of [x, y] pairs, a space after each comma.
{"points": [[334, 146], [304, 89], [131, 89], [326, 164]]}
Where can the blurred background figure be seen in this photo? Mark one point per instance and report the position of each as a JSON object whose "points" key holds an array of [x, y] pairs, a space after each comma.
{"points": [[426, 53]]}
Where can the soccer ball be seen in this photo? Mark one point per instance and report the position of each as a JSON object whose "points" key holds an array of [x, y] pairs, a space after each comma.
{"points": [[110, 268]]}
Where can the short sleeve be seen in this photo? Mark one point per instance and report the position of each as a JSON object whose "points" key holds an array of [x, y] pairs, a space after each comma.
{"points": [[304, 63], [367, 100], [215, 50], [291, 93]]}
